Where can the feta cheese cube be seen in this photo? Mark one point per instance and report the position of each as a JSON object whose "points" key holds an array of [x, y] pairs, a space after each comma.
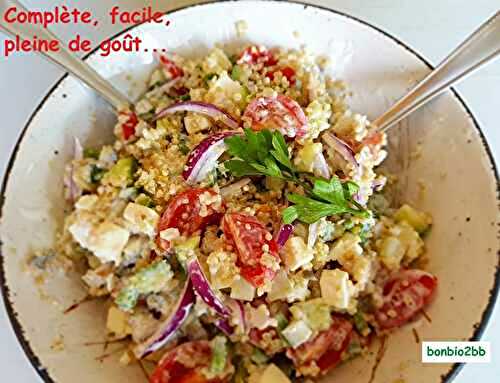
{"points": [[273, 374], [216, 62], [281, 287], [86, 202], [296, 254], [346, 247], [108, 241], [306, 156], [141, 219], [336, 288], [259, 317], [297, 333], [243, 290], [391, 252]]}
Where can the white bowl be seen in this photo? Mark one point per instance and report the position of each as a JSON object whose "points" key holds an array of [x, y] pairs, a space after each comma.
{"points": [[455, 168]]}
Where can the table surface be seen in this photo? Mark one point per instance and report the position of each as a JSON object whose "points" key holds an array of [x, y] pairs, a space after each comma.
{"points": [[431, 27]]}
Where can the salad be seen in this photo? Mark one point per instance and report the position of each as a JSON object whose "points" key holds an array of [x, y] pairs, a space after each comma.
{"points": [[237, 229]]}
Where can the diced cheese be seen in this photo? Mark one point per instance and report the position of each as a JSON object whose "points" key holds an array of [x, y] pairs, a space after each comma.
{"points": [[86, 202], [336, 289], [297, 333], [306, 156], [117, 323], [226, 93], [259, 317], [216, 62], [300, 290], [346, 247], [142, 219], [281, 287], [391, 252], [243, 290], [273, 374], [106, 240], [401, 244], [296, 254]]}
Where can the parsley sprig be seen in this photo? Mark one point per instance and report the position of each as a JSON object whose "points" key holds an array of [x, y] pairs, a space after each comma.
{"points": [[327, 198], [265, 153], [260, 153]]}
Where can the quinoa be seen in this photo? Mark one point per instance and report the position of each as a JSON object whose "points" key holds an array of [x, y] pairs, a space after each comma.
{"points": [[142, 211]]}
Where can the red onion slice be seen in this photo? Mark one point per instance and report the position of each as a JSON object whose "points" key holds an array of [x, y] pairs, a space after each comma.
{"points": [[238, 312], [313, 233], [283, 234], [164, 333], [341, 148], [378, 184], [203, 159], [320, 166], [204, 290], [205, 108]]}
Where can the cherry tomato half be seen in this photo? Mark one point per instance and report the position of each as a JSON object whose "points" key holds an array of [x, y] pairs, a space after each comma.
{"points": [[267, 339], [184, 363], [128, 127], [405, 294], [326, 348], [251, 240], [287, 72], [173, 70], [186, 213], [257, 55], [281, 113]]}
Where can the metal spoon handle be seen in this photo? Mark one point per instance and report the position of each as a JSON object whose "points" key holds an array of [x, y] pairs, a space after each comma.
{"points": [[63, 57], [479, 48]]}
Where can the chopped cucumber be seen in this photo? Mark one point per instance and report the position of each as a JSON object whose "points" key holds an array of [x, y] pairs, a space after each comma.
{"points": [[219, 355], [122, 173], [420, 221], [151, 279], [91, 153]]}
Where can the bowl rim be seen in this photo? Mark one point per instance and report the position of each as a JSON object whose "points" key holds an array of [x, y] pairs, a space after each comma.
{"points": [[42, 371]]}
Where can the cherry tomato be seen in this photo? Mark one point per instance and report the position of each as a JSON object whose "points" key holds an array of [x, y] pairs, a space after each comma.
{"points": [[405, 294], [184, 363], [267, 339], [287, 72], [281, 113], [326, 348], [250, 238], [257, 55], [172, 68], [186, 213], [128, 127]]}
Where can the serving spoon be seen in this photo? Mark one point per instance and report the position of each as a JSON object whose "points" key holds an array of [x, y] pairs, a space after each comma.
{"points": [[479, 48]]}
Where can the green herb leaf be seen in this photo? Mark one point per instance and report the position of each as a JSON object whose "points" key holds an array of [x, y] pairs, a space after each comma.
{"points": [[327, 198], [264, 152], [330, 191], [241, 168], [290, 214]]}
